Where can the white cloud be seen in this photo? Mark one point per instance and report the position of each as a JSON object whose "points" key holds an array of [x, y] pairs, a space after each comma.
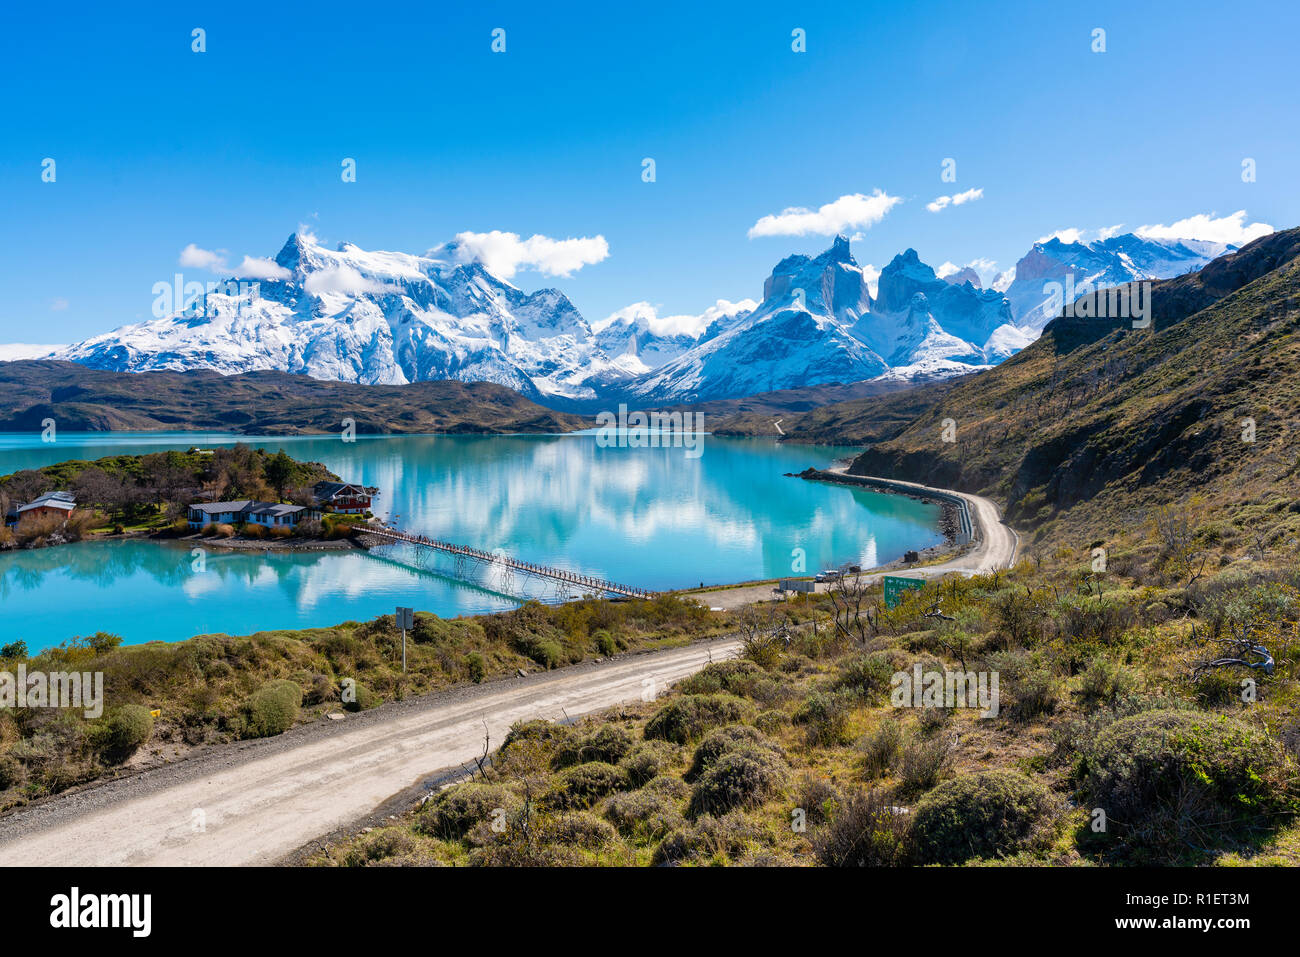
{"points": [[683, 325], [1226, 229], [195, 257], [855, 211], [58, 305], [504, 254], [255, 267], [13, 351], [986, 269], [343, 279], [1108, 231], [957, 199], [1071, 235]]}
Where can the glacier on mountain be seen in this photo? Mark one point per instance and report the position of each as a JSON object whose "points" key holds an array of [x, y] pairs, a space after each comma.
{"points": [[377, 317]]}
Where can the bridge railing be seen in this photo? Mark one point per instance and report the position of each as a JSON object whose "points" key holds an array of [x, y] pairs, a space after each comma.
{"points": [[559, 574]]}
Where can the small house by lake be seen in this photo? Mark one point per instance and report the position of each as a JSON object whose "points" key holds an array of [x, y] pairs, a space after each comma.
{"points": [[344, 497], [60, 504], [268, 514]]}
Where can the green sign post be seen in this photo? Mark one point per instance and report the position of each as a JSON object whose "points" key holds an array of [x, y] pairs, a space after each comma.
{"points": [[894, 588]]}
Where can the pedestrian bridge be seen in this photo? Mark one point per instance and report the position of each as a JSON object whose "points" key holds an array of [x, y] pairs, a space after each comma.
{"points": [[563, 584]]}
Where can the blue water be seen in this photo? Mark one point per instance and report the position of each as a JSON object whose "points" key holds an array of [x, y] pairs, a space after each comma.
{"points": [[652, 517]]}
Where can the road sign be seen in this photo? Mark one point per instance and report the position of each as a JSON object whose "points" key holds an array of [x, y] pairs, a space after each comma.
{"points": [[405, 620], [797, 584], [894, 588]]}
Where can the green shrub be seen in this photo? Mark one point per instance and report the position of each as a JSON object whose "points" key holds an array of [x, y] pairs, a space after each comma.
{"points": [[1026, 689], [363, 699], [869, 676], [987, 814], [1104, 681], [608, 744], [578, 829], [124, 729], [864, 830], [475, 668], [272, 709], [387, 844], [818, 797], [647, 760], [605, 643], [826, 717], [881, 747], [1166, 777], [1216, 688], [708, 837], [582, 786], [686, 718], [646, 814], [723, 740], [734, 676], [744, 777], [101, 642], [538, 730], [924, 762], [451, 814], [769, 722]]}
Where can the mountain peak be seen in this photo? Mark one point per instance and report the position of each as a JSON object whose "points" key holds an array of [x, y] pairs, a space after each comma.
{"points": [[839, 251]]}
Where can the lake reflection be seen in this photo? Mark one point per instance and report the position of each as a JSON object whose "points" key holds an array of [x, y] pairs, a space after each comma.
{"points": [[651, 517]]}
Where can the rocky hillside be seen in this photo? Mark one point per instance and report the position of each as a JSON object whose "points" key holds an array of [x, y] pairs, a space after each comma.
{"points": [[1204, 403]]}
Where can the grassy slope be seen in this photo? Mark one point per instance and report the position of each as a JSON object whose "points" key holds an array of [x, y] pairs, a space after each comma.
{"points": [[203, 686], [819, 741], [79, 398]]}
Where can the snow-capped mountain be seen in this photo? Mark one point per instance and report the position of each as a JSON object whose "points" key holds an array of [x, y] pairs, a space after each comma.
{"points": [[368, 317], [1103, 263], [636, 339], [818, 323], [388, 318], [799, 335]]}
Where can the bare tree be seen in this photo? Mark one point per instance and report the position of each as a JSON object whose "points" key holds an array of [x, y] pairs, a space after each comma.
{"points": [[1241, 648], [854, 613], [764, 636]]}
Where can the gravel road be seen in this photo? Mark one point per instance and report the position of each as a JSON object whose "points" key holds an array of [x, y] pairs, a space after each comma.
{"points": [[257, 802]]}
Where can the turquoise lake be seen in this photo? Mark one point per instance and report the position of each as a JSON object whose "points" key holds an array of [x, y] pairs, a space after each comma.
{"points": [[655, 518]]}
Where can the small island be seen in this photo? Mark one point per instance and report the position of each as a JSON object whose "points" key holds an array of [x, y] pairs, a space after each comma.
{"points": [[233, 497]]}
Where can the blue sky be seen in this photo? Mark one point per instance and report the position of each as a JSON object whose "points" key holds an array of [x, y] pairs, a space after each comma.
{"points": [[157, 147]]}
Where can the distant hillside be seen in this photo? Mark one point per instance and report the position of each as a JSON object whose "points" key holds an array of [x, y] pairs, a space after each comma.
{"points": [[257, 403], [816, 416], [1124, 419]]}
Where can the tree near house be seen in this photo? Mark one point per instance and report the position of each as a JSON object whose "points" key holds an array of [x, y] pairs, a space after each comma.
{"points": [[26, 485], [279, 472]]}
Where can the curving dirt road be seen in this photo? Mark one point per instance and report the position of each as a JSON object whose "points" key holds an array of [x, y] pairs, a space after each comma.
{"points": [[257, 803], [995, 545]]}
